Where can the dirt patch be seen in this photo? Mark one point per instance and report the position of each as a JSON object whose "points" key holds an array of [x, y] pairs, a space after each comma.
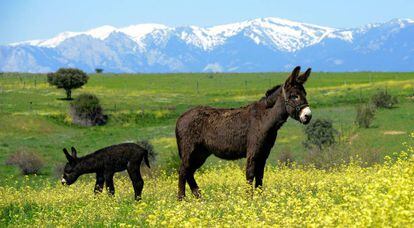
{"points": [[394, 132]]}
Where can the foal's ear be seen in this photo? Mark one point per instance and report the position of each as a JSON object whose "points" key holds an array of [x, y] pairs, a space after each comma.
{"points": [[303, 77], [293, 76], [68, 156], [74, 152]]}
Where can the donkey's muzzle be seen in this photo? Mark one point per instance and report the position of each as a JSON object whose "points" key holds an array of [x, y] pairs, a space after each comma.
{"points": [[305, 115]]}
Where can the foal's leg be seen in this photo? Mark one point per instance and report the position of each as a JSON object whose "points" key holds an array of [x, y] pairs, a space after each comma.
{"points": [[109, 181], [100, 180], [137, 181]]}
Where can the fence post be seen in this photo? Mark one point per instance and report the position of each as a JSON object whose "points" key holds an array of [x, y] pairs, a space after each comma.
{"points": [[198, 91]]}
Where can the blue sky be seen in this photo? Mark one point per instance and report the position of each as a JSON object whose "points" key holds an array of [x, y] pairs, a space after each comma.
{"points": [[38, 19]]}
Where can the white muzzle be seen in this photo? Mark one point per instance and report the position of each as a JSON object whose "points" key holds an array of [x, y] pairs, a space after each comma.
{"points": [[305, 114]]}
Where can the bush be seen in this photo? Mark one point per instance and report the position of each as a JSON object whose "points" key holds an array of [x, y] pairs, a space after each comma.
{"points": [[85, 110], [68, 79], [29, 162], [58, 170], [319, 133], [98, 70], [286, 157], [342, 154], [148, 146], [384, 100], [173, 162], [365, 115]]}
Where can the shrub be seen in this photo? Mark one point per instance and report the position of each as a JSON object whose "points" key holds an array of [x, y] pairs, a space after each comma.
{"points": [[384, 100], [365, 115], [58, 170], [68, 79], [29, 162], [148, 146], [286, 157], [173, 162], [342, 154], [319, 133], [85, 110]]}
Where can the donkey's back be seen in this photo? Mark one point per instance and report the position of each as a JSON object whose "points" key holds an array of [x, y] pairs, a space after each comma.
{"points": [[118, 156], [220, 131]]}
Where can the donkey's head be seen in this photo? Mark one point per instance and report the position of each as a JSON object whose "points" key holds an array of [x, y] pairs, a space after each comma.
{"points": [[294, 95], [70, 173]]}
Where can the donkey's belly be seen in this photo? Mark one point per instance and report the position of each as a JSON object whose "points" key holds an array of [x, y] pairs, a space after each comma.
{"points": [[230, 147], [230, 155]]}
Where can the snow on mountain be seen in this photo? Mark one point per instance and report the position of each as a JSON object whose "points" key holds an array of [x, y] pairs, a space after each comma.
{"points": [[280, 34], [262, 44]]}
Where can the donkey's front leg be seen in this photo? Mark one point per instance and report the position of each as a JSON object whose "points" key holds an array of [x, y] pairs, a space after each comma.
{"points": [[100, 180], [260, 165], [250, 168], [109, 181]]}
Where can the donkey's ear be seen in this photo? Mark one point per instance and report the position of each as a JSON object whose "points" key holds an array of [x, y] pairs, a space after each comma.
{"points": [[293, 76], [68, 156], [74, 153], [303, 77]]}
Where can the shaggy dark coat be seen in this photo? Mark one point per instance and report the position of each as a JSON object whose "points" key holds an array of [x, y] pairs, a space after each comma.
{"points": [[105, 162], [230, 134]]}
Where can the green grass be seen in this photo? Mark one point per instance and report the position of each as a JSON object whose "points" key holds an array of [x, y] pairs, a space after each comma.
{"points": [[146, 107]]}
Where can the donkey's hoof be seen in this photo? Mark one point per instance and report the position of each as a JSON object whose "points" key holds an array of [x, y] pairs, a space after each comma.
{"points": [[197, 193], [180, 197]]}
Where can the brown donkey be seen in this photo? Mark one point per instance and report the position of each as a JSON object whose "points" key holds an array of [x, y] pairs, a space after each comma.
{"points": [[236, 133]]}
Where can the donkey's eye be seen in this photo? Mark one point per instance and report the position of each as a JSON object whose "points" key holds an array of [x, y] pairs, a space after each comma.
{"points": [[294, 97]]}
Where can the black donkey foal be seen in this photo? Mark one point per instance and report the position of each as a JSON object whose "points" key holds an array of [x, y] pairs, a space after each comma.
{"points": [[105, 162]]}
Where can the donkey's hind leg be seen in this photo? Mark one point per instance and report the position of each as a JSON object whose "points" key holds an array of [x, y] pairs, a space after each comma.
{"points": [[136, 179], [197, 159], [185, 151], [182, 173]]}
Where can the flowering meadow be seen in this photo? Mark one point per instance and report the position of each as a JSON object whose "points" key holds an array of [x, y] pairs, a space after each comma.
{"points": [[382, 195]]}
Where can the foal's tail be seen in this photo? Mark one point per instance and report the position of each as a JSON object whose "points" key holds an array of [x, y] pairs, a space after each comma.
{"points": [[146, 159]]}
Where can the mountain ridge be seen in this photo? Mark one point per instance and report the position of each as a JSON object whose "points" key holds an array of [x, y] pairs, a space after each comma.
{"points": [[247, 46]]}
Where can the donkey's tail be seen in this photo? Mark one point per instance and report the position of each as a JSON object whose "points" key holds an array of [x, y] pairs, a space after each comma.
{"points": [[146, 159]]}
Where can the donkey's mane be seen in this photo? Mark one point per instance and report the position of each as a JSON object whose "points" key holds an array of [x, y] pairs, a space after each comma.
{"points": [[272, 90], [268, 99]]}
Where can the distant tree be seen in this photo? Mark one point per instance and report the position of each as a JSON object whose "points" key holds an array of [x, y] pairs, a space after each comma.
{"points": [[68, 79], [98, 70]]}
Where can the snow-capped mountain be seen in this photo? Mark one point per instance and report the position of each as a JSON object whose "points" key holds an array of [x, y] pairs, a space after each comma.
{"points": [[266, 44]]}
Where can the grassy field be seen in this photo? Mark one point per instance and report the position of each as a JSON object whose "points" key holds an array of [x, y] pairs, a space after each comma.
{"points": [[141, 107], [147, 106]]}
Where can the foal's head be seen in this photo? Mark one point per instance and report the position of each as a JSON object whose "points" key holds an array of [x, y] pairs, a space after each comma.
{"points": [[294, 95], [70, 174]]}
